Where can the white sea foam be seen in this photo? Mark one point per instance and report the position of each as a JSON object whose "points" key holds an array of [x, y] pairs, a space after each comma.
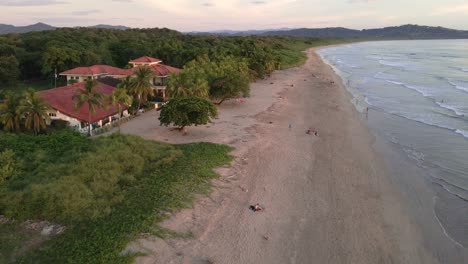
{"points": [[392, 63], [450, 107], [462, 132], [465, 69], [420, 89], [458, 86], [395, 82], [415, 155]]}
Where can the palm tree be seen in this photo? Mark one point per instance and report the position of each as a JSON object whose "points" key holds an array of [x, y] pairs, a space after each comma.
{"points": [[34, 110], [92, 97], [119, 97], [141, 84], [9, 116]]}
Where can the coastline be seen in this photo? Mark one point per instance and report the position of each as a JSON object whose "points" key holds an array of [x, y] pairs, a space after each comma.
{"points": [[329, 196], [439, 212]]}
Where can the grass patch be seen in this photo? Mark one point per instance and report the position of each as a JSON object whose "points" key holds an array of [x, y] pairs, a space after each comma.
{"points": [[12, 239], [158, 189]]}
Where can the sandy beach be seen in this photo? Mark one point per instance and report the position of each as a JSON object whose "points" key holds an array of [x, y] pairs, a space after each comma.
{"points": [[328, 198]]}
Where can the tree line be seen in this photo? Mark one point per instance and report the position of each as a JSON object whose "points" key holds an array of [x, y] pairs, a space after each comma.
{"points": [[36, 55]]}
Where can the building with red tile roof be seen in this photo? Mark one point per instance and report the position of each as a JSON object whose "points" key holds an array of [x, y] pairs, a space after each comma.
{"points": [[161, 71], [61, 100], [145, 60]]}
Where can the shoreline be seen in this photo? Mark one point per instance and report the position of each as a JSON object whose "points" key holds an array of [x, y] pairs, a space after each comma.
{"points": [[328, 196], [422, 191]]}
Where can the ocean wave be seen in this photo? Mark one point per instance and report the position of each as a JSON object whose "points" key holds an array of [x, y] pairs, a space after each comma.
{"points": [[392, 63], [458, 86], [395, 82], [464, 69], [451, 107], [429, 123], [425, 91], [415, 155], [462, 132]]}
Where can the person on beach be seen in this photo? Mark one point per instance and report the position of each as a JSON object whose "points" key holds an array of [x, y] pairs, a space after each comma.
{"points": [[256, 208]]}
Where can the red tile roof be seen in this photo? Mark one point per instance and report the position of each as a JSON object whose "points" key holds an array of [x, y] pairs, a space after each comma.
{"points": [[96, 70], [163, 70], [145, 59], [158, 69], [61, 100]]}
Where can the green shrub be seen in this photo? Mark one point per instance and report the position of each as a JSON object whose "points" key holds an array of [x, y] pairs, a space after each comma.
{"points": [[10, 167], [87, 187]]}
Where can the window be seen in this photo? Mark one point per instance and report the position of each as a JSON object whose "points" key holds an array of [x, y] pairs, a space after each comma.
{"points": [[52, 114]]}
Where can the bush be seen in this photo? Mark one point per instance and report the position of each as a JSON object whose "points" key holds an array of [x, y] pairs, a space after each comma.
{"points": [[10, 167], [86, 187]]}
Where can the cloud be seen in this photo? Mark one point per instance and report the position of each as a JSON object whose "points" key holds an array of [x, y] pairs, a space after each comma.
{"points": [[208, 4], [123, 1], [85, 12], [31, 2], [360, 1], [258, 2], [456, 9]]}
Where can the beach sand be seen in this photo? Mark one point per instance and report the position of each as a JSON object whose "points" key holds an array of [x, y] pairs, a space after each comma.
{"points": [[328, 198]]}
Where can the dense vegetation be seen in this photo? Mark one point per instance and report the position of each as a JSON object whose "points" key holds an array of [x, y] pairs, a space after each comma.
{"points": [[105, 190], [36, 55]]}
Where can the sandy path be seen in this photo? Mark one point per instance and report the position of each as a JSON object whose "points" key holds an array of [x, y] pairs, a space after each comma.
{"points": [[327, 198]]}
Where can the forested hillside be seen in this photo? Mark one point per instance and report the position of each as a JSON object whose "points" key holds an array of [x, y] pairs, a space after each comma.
{"points": [[36, 55]]}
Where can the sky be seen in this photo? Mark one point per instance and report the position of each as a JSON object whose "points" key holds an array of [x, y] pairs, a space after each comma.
{"points": [[204, 15]]}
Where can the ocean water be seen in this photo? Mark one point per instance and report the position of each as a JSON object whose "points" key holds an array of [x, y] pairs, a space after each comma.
{"points": [[419, 92]]}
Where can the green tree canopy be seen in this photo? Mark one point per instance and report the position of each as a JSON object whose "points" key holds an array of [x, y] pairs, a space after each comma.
{"points": [[192, 81], [187, 111], [62, 58], [9, 70], [229, 78]]}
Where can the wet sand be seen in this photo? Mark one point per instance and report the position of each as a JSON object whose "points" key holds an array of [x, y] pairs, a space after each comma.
{"points": [[328, 199]]}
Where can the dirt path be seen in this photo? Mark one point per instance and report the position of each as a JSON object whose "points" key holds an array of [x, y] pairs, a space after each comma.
{"points": [[327, 198]]}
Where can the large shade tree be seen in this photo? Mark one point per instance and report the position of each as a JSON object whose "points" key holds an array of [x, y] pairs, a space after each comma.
{"points": [[34, 111], [140, 86], [229, 78], [90, 96], [187, 111], [9, 116]]}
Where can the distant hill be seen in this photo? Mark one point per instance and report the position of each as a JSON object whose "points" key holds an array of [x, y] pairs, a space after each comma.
{"points": [[400, 32], [5, 29], [110, 26], [236, 32]]}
